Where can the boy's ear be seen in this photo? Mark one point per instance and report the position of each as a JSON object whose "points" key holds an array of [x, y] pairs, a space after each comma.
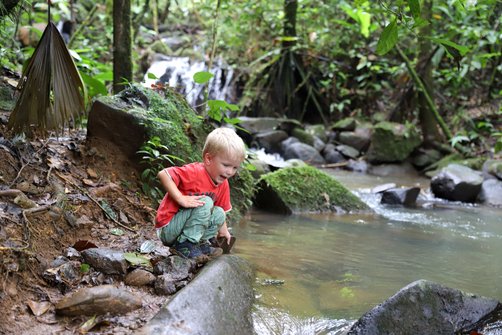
{"points": [[207, 158]]}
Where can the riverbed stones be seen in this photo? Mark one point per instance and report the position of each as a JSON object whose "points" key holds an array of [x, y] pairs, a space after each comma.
{"points": [[106, 260], [406, 196], [218, 301], [392, 142], [491, 193], [425, 307], [457, 183], [99, 300]]}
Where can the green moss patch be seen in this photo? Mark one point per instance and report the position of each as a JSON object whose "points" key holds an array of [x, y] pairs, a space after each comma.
{"points": [[305, 189]]}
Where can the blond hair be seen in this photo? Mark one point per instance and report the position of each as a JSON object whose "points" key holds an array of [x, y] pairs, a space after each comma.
{"points": [[225, 140]]}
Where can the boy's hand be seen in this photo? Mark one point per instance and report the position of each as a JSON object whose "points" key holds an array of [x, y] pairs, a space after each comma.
{"points": [[190, 201], [223, 232]]}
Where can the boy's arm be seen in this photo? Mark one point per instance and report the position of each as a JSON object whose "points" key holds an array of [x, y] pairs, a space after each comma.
{"points": [[186, 201]]}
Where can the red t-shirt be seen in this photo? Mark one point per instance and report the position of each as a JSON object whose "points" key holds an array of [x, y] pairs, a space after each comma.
{"points": [[192, 179]]}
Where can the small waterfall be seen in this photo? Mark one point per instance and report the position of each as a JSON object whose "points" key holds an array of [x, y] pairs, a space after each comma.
{"points": [[177, 72]]}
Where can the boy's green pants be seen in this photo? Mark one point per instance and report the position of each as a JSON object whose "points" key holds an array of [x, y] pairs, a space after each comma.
{"points": [[193, 224]]}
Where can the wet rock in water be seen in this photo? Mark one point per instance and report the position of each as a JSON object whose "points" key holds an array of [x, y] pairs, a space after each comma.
{"points": [[457, 183], [491, 193], [98, 300], [383, 187], [139, 277], [406, 196], [106, 260], [425, 307]]}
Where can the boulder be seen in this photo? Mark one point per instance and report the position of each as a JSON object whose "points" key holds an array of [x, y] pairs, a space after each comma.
{"points": [[406, 196], [218, 301], [491, 193], [392, 142], [425, 307], [457, 183], [135, 115], [347, 124], [98, 300], [358, 139], [271, 140], [492, 168], [304, 190], [106, 260], [304, 152]]}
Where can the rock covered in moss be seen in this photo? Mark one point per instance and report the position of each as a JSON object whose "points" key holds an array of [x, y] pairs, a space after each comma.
{"points": [[392, 142], [303, 190]]}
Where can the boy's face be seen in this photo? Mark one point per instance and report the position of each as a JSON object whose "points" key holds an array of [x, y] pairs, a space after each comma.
{"points": [[221, 166]]}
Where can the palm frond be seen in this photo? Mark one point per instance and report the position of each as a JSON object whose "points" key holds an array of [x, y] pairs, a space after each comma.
{"points": [[52, 91]]}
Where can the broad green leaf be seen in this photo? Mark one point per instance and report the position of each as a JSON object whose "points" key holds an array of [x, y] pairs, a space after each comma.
{"points": [[388, 38], [202, 77], [94, 86], [450, 46], [151, 76], [414, 8], [137, 259]]}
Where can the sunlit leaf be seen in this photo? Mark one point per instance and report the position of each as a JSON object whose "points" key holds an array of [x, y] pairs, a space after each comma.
{"points": [[458, 139], [137, 259], [388, 38], [364, 19], [202, 77]]}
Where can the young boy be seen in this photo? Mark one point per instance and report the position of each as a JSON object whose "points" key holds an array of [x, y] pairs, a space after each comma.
{"points": [[198, 196]]}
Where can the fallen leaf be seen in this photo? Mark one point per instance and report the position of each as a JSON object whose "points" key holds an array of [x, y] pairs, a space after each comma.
{"points": [[39, 308], [83, 245], [88, 182], [92, 173]]}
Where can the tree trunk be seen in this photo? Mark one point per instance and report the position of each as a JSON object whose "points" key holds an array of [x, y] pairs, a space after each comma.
{"points": [[428, 123], [290, 9], [122, 47]]}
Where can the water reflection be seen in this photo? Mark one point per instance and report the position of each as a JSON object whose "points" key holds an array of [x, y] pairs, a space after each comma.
{"points": [[336, 267]]}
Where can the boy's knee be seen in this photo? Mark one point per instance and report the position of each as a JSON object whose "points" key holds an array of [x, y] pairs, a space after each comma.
{"points": [[219, 215]]}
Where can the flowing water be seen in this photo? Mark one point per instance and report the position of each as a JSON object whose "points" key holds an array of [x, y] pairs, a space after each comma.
{"points": [[316, 274]]}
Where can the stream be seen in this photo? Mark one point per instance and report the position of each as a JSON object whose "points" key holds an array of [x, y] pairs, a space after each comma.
{"points": [[317, 274]]}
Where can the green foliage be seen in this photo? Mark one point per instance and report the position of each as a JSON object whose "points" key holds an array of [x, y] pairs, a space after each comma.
{"points": [[154, 155]]}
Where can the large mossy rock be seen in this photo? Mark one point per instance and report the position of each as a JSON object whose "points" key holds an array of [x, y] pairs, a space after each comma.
{"points": [[425, 307], [137, 114], [392, 142], [304, 190]]}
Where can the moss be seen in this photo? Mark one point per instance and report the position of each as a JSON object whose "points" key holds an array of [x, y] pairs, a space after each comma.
{"points": [[392, 142], [309, 189], [303, 136], [242, 189], [455, 158]]}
